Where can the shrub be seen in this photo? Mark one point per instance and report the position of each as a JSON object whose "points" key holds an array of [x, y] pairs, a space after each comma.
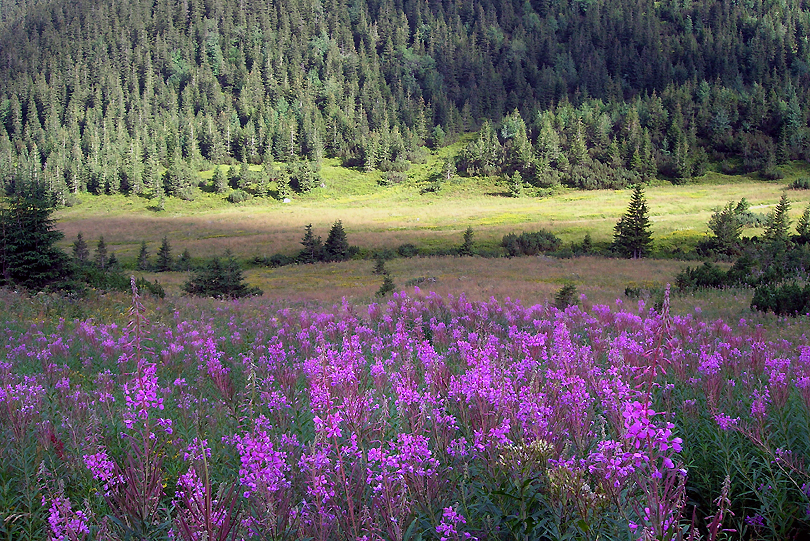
{"points": [[530, 243], [238, 196], [707, 276], [391, 178], [407, 250], [802, 183], [273, 261], [785, 299], [565, 296], [220, 279]]}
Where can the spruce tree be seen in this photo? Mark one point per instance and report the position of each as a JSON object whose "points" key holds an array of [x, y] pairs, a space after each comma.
{"points": [[143, 258], [220, 181], [313, 248], [466, 248], [81, 253], [803, 227], [631, 235], [164, 256], [29, 256], [101, 254], [184, 263], [776, 227], [336, 247]]}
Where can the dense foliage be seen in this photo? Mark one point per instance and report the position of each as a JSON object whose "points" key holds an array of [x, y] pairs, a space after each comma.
{"points": [[424, 417], [127, 96]]}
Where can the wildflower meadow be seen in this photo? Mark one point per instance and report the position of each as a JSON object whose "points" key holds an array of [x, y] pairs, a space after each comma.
{"points": [[423, 417]]}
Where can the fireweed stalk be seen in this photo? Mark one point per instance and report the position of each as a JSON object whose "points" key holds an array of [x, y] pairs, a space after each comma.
{"points": [[134, 491]]}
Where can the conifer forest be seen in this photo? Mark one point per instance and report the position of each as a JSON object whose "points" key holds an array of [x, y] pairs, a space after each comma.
{"points": [[133, 96]]}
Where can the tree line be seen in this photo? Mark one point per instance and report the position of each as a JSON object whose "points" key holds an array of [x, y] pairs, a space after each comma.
{"points": [[130, 97]]}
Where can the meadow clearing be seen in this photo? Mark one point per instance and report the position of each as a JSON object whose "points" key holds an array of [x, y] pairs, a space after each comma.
{"points": [[465, 406], [382, 218]]}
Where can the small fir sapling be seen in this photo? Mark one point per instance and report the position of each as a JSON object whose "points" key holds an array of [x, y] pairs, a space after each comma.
{"points": [[466, 248], [142, 263], [81, 253], [165, 262]]}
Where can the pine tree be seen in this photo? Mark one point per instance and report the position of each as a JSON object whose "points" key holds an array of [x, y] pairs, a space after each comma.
{"points": [[313, 248], [466, 248], [184, 263], [29, 256], [631, 235], [387, 286], [726, 225], [164, 257], [81, 253], [803, 227], [336, 247], [219, 180], [587, 244], [776, 227], [100, 258], [143, 258], [379, 266]]}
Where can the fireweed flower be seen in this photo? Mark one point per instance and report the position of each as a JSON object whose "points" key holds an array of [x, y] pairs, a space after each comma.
{"points": [[103, 469], [263, 468], [141, 395], [448, 527], [66, 524]]}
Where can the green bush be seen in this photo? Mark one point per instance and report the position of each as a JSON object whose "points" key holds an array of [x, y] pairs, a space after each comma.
{"points": [[530, 243], [220, 279], [238, 196], [708, 275], [802, 183], [407, 250], [273, 261], [565, 297], [786, 299]]}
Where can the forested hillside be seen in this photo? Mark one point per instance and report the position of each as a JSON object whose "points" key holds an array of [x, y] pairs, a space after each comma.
{"points": [[109, 96]]}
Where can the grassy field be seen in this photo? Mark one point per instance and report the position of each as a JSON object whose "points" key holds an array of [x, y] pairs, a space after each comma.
{"points": [[384, 217], [376, 217]]}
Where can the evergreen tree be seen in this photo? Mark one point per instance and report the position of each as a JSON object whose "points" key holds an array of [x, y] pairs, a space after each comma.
{"points": [[184, 263], [219, 181], [778, 222], [29, 256], [387, 286], [113, 264], [143, 258], [336, 247], [379, 266], [220, 279], [726, 225], [100, 258], [164, 257], [466, 248], [313, 248], [803, 227], [81, 253], [516, 184], [631, 235]]}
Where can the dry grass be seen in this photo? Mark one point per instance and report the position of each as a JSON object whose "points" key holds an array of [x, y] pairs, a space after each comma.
{"points": [[530, 279]]}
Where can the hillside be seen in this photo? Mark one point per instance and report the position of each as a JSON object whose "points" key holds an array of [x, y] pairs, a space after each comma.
{"points": [[136, 96]]}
